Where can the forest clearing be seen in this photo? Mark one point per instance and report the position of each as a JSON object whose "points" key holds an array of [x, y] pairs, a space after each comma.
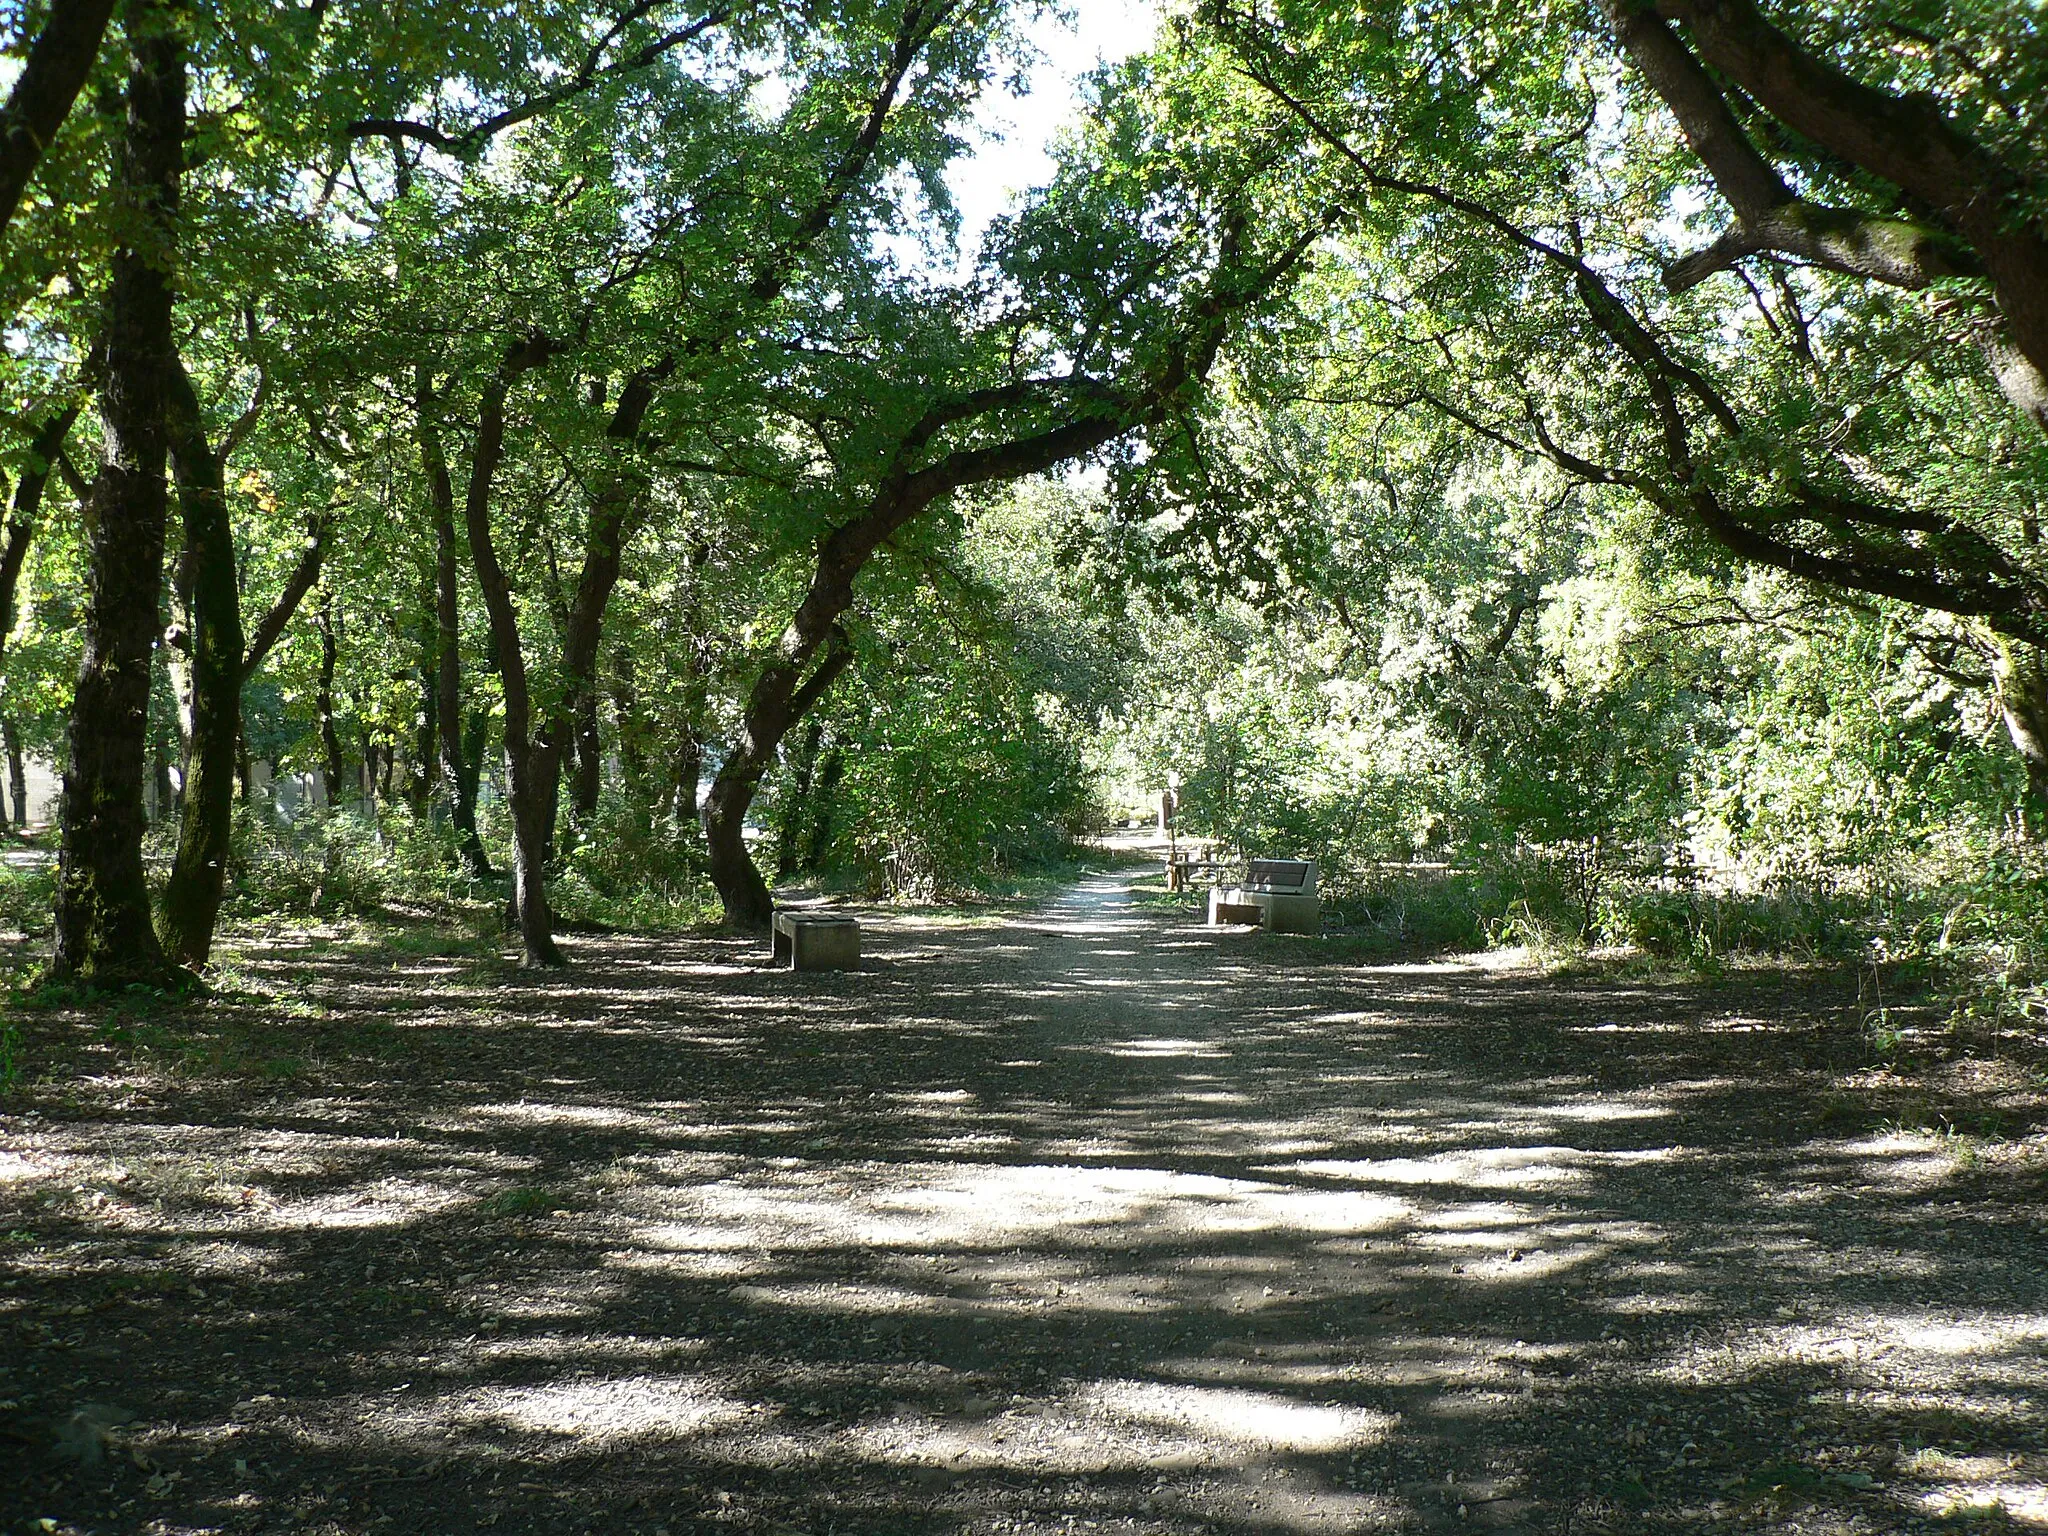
{"points": [[863, 767]]}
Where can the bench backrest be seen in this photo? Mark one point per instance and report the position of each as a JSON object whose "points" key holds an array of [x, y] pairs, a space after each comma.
{"points": [[1281, 877]]}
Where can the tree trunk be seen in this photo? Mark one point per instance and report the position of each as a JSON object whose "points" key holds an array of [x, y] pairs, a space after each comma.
{"points": [[476, 743], [632, 725], [366, 778], [797, 803], [589, 782], [323, 706], [531, 765], [17, 770], [104, 937], [614, 514], [825, 801], [420, 779], [21, 528], [689, 773], [777, 703], [53, 74], [191, 901], [458, 773], [2020, 684], [22, 516], [168, 801], [531, 770], [744, 894]]}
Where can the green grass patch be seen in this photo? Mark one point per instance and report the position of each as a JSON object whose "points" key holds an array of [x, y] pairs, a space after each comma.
{"points": [[525, 1200]]}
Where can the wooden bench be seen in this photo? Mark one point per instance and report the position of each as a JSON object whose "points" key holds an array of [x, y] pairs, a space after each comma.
{"points": [[1182, 867], [815, 941]]}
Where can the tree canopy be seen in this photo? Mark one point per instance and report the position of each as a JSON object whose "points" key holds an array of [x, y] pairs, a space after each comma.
{"points": [[579, 433]]}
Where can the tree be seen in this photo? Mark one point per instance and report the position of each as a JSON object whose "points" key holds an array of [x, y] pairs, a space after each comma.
{"points": [[56, 68], [23, 515], [222, 663], [1800, 419], [1130, 280], [1914, 148], [104, 933]]}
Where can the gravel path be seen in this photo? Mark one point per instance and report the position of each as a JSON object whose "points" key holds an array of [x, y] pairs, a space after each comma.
{"points": [[1085, 1219]]}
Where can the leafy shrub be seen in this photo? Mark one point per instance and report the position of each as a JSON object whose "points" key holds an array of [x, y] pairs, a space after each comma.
{"points": [[28, 896], [631, 869], [341, 862]]}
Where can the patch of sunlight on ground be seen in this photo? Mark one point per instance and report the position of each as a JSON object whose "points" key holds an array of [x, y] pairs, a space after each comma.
{"points": [[619, 1408], [1168, 1046], [597, 1116], [15, 1168], [1877, 1353], [2026, 1503], [1236, 1417], [223, 1259], [578, 1348], [1482, 1168], [1596, 1111], [1903, 1159], [950, 1205], [1513, 958]]}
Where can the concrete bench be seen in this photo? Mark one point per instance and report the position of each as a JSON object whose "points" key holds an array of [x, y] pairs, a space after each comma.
{"points": [[815, 941], [1285, 889], [1224, 910]]}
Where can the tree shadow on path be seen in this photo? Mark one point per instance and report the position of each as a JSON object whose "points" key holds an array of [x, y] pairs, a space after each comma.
{"points": [[1080, 1220]]}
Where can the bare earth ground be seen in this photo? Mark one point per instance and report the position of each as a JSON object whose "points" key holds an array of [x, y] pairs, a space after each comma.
{"points": [[1081, 1220]]}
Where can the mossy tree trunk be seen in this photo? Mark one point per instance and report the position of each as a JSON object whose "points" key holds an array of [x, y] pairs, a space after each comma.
{"points": [[104, 937]]}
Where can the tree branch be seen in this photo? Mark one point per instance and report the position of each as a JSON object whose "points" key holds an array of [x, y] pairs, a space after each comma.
{"points": [[304, 574], [592, 74], [50, 80]]}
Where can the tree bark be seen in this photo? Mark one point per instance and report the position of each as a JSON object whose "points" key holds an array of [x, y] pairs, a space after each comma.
{"points": [[323, 707], [24, 512], [796, 803], [22, 519], [170, 801], [222, 660], [57, 66], [589, 782], [772, 710], [458, 774], [571, 725], [825, 799], [476, 744], [1986, 212], [421, 765], [104, 937], [532, 764], [17, 769], [632, 725], [689, 771], [2020, 685], [191, 900]]}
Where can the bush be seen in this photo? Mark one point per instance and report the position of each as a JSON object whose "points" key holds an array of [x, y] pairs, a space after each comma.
{"points": [[630, 869], [342, 862]]}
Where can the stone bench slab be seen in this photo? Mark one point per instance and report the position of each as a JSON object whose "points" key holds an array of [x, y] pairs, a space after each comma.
{"points": [[1224, 910], [815, 941]]}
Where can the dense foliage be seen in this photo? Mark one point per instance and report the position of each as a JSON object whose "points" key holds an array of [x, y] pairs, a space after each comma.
{"points": [[1529, 450]]}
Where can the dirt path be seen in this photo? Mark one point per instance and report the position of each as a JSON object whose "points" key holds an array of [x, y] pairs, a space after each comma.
{"points": [[1085, 1220]]}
